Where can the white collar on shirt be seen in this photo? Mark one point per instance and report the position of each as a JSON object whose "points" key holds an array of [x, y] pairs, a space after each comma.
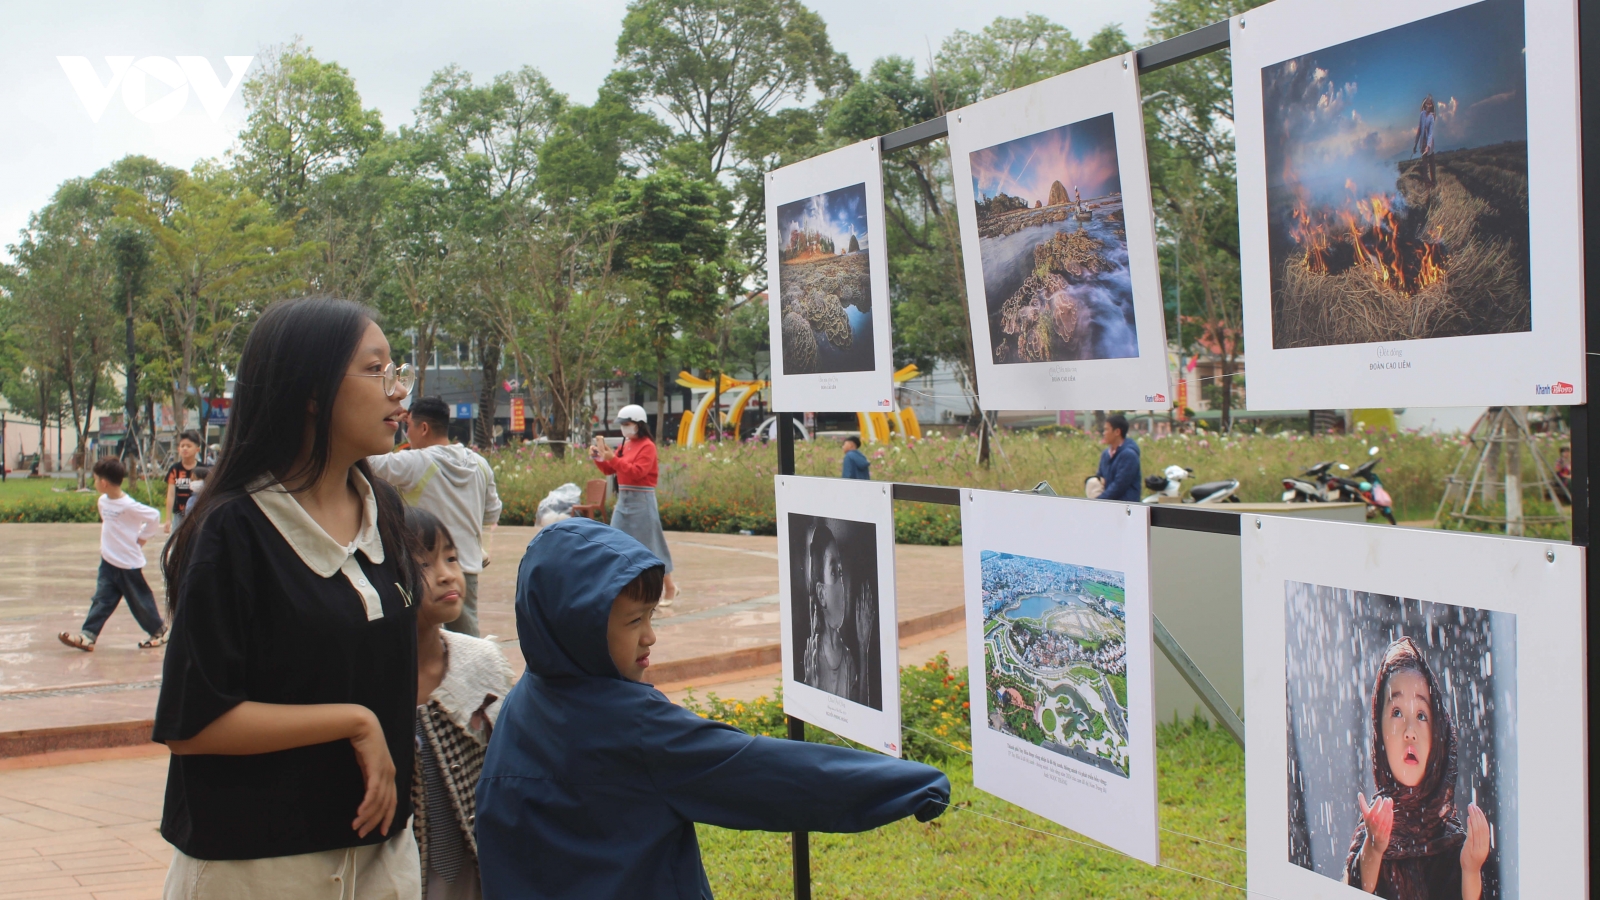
{"points": [[321, 553]]}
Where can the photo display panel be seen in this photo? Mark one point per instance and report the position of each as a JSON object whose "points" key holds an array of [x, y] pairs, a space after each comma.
{"points": [[828, 284], [1059, 643], [1058, 242], [1414, 712], [840, 631], [1410, 216]]}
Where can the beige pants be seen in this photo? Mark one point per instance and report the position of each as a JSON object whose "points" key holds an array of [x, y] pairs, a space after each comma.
{"points": [[386, 871]]}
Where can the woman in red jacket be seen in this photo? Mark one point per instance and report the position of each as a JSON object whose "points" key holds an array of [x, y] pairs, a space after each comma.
{"points": [[634, 464]]}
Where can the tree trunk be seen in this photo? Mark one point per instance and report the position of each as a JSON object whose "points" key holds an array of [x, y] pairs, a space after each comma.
{"points": [[661, 408], [484, 433], [424, 350], [130, 404]]}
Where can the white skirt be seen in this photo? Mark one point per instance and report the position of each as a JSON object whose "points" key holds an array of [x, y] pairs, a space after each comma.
{"points": [[387, 871]]}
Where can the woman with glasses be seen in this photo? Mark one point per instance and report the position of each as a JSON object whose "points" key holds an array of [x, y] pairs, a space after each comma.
{"points": [[288, 690]]}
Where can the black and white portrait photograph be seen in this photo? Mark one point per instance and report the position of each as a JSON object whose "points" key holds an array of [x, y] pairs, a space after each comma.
{"points": [[834, 567], [836, 605]]}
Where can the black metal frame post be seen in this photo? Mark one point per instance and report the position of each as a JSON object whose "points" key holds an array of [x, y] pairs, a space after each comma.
{"points": [[800, 841]]}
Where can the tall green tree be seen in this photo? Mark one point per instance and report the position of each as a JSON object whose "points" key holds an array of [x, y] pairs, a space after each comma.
{"points": [[224, 254], [1193, 176], [671, 248], [64, 281]]}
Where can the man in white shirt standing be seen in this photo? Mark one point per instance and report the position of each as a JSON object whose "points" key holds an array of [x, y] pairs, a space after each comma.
{"points": [[125, 526], [452, 482]]}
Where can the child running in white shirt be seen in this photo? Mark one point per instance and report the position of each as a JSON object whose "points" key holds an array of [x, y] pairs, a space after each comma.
{"points": [[125, 526]]}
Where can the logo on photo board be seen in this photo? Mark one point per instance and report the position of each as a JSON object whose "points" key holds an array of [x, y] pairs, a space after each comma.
{"points": [[1155, 398], [1560, 387], [885, 403]]}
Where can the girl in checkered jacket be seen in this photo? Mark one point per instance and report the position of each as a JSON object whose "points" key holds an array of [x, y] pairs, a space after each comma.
{"points": [[460, 683]]}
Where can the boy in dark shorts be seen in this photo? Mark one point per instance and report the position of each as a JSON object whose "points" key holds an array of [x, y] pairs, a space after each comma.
{"points": [[594, 780], [181, 477]]}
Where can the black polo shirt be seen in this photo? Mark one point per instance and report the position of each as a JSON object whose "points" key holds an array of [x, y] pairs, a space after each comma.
{"points": [[256, 622]]}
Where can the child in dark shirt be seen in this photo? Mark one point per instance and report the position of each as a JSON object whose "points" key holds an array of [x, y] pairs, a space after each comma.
{"points": [[594, 781]]}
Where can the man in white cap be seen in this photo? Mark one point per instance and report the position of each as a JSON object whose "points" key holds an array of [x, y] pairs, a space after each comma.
{"points": [[452, 482], [634, 464]]}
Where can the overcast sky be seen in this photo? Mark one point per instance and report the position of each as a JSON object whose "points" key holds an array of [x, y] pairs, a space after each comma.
{"points": [[391, 48]]}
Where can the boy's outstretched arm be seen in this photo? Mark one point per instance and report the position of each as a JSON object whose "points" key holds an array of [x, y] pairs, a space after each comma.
{"points": [[714, 773]]}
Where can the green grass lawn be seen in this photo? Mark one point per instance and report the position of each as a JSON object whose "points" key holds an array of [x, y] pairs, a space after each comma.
{"points": [[968, 853], [59, 500]]}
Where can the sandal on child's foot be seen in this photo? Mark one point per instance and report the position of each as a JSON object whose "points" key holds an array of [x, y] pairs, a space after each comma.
{"points": [[156, 640], [666, 602], [79, 640]]}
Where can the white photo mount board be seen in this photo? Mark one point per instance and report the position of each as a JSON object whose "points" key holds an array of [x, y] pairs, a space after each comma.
{"points": [[1544, 366], [1540, 582], [1119, 811], [1131, 382], [860, 391], [855, 501]]}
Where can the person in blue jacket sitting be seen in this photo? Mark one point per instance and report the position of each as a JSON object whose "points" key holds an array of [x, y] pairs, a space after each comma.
{"points": [[594, 781], [855, 462], [1119, 462]]}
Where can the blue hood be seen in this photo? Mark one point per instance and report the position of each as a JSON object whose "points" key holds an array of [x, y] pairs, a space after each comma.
{"points": [[570, 574]]}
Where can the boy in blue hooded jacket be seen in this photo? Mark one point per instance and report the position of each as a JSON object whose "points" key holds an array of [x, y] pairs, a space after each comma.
{"points": [[594, 780]]}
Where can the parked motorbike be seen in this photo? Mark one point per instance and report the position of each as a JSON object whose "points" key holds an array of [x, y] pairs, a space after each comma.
{"points": [[1363, 486], [1310, 486], [1331, 482], [1169, 485]]}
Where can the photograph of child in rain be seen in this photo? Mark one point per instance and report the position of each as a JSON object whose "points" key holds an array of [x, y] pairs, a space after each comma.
{"points": [[1054, 245], [1397, 183], [833, 566], [1402, 753]]}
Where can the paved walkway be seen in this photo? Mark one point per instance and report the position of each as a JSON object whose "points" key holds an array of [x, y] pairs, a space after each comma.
{"points": [[88, 830], [729, 605]]}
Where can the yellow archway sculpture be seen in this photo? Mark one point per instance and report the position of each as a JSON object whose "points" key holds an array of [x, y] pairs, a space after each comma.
{"points": [[880, 428], [692, 428]]}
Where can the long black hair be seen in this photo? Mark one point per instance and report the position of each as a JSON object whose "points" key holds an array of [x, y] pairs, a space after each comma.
{"points": [[296, 356]]}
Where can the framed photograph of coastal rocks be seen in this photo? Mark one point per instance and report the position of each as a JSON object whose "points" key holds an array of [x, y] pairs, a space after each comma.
{"points": [[836, 608], [1058, 241], [1413, 712], [1059, 643], [1410, 217], [828, 284]]}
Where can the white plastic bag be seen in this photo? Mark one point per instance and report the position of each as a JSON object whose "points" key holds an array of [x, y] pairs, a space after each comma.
{"points": [[558, 504]]}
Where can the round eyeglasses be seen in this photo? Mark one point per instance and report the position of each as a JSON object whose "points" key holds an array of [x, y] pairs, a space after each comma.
{"points": [[404, 375]]}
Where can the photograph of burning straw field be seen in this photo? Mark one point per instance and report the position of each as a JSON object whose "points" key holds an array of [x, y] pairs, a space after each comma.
{"points": [[825, 283], [1397, 183], [1052, 238]]}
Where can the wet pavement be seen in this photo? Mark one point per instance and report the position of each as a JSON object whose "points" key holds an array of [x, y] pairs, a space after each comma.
{"points": [[725, 619]]}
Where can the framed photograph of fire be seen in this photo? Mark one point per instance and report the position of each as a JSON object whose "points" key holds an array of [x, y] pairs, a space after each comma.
{"points": [[836, 608], [1058, 241], [1410, 218], [828, 284], [1058, 611], [1396, 681]]}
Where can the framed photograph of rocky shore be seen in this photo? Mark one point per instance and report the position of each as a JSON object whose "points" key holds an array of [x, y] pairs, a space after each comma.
{"points": [[1058, 240], [1410, 220], [1058, 611], [1409, 712], [828, 284], [836, 608]]}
